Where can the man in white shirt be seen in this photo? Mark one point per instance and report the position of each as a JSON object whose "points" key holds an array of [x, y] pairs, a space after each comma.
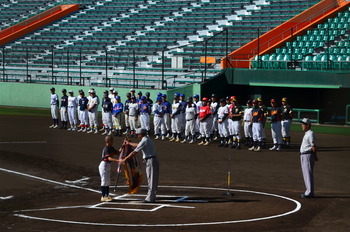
{"points": [[93, 112], [308, 156], [247, 124], [72, 109]]}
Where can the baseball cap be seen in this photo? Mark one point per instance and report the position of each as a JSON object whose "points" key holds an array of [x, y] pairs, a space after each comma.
{"points": [[105, 91], [52, 88], [147, 94], [233, 98], [70, 91], [222, 100], [143, 98], [273, 100], [141, 131], [159, 98], [132, 90], [117, 97], [284, 99], [254, 101], [249, 102], [196, 96], [205, 99], [111, 89], [159, 94], [115, 92], [213, 95], [64, 90], [306, 121], [139, 93], [164, 95], [259, 99]]}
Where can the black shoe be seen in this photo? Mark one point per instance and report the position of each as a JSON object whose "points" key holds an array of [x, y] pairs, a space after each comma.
{"points": [[306, 196], [233, 146]]}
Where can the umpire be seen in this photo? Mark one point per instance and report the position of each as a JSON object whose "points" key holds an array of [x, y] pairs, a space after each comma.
{"points": [[150, 158], [308, 157]]}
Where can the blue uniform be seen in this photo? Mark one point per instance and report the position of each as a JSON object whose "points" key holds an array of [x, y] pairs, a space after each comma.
{"points": [[117, 108], [83, 103], [145, 110]]}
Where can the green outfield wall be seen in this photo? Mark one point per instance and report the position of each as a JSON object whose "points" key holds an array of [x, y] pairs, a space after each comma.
{"points": [[38, 95]]}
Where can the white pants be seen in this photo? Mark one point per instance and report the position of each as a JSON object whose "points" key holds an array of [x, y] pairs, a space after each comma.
{"points": [[83, 117], [152, 172], [276, 132], [286, 128], [107, 120], [64, 114], [230, 127], [117, 121], [215, 123], [190, 127], [105, 173], [176, 124], [204, 128], [236, 129], [257, 131], [167, 122], [145, 121], [223, 129], [72, 116], [132, 122], [196, 126], [127, 124], [93, 120], [248, 129], [159, 125], [307, 162], [54, 111]]}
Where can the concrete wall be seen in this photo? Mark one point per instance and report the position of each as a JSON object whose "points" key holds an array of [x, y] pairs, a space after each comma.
{"points": [[38, 95]]}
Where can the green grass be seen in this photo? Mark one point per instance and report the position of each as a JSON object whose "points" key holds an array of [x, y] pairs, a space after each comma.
{"points": [[320, 129]]}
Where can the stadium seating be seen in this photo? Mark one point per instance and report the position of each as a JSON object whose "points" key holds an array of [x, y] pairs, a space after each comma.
{"points": [[326, 47], [117, 28]]}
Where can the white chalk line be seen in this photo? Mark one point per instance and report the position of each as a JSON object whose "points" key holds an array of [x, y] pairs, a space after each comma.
{"points": [[296, 209], [6, 198], [24, 142]]}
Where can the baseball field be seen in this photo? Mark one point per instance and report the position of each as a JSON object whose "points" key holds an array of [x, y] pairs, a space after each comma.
{"points": [[50, 182]]}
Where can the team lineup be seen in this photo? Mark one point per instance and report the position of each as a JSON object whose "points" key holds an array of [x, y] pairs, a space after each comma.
{"points": [[185, 120]]}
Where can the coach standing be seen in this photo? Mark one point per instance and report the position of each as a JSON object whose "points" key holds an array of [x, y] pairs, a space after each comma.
{"points": [[308, 157], [152, 165]]}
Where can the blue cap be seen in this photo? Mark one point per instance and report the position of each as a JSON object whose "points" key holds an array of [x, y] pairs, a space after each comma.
{"points": [[176, 94], [164, 95], [143, 98], [159, 99], [196, 96], [117, 97], [139, 92], [159, 94], [182, 95]]}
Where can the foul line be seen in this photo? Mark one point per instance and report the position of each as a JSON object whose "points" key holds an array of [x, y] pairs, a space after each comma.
{"points": [[24, 142]]}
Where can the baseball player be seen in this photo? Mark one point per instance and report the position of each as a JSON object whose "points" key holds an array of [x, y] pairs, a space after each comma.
{"points": [[83, 105], [265, 112], [308, 156], [176, 119], [145, 110], [93, 111], [105, 167], [236, 113], [72, 107], [214, 106], [287, 116], [64, 109], [190, 117], [78, 111], [112, 94], [103, 115], [132, 92], [276, 117], [158, 119], [247, 124], [148, 99], [126, 113], [204, 124], [54, 108], [167, 119], [117, 115], [198, 105], [183, 103], [107, 108], [133, 112], [222, 119], [257, 117]]}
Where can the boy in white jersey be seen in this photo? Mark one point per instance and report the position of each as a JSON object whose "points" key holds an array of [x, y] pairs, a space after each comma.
{"points": [[190, 117], [92, 112], [247, 124], [72, 109], [54, 108], [222, 119]]}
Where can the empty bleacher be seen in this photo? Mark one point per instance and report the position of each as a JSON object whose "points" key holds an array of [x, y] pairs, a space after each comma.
{"points": [[98, 42]]}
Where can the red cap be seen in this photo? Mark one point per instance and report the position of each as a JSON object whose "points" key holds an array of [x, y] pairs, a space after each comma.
{"points": [[273, 100], [205, 99]]}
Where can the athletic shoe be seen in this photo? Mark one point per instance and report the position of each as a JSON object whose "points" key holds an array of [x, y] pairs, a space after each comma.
{"points": [[108, 198], [278, 148], [199, 137], [51, 126], [257, 149], [273, 148], [102, 129], [201, 143], [84, 130], [55, 126], [163, 138], [252, 148], [167, 136], [89, 132], [157, 137], [221, 144], [69, 129], [109, 133], [171, 139], [177, 140], [183, 141], [191, 141], [215, 138], [80, 130], [306, 196], [104, 133], [74, 129], [103, 199], [206, 143], [96, 131]]}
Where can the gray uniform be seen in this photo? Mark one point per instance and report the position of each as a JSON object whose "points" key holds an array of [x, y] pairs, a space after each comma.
{"points": [[307, 160], [152, 166]]}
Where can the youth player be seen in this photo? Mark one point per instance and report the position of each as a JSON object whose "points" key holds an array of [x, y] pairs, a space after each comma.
{"points": [[176, 119], [167, 119], [222, 119], [145, 110], [126, 112], [54, 108], [72, 107], [158, 119], [276, 117], [83, 105], [236, 114], [247, 124], [204, 124], [133, 113], [93, 112], [257, 117], [63, 110], [107, 108], [117, 115], [190, 117], [287, 116]]}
